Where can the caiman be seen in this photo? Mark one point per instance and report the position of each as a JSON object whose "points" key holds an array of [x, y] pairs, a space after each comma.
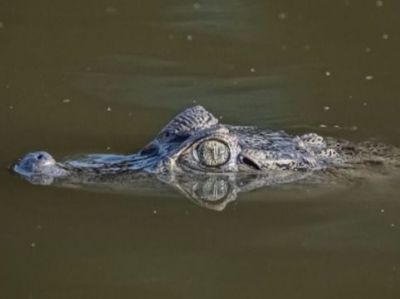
{"points": [[209, 161]]}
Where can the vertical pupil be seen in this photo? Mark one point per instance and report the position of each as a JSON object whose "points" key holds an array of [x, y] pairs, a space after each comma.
{"points": [[213, 153]]}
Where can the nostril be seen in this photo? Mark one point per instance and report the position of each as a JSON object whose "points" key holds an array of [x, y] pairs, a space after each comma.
{"points": [[40, 156], [250, 163]]}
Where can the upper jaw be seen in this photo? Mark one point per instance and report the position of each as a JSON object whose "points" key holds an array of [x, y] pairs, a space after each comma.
{"points": [[38, 170]]}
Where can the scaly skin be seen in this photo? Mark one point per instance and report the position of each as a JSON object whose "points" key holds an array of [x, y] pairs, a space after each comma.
{"points": [[194, 147]]}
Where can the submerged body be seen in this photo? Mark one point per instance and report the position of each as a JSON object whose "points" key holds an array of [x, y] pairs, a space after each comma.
{"points": [[194, 147]]}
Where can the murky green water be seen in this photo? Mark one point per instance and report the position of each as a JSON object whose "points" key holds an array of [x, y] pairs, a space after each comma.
{"points": [[104, 76]]}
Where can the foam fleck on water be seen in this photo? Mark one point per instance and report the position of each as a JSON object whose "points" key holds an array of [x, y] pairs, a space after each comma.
{"points": [[353, 128], [369, 77], [111, 10], [282, 16]]}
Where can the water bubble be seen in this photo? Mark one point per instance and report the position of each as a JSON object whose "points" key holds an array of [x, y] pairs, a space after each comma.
{"points": [[368, 50], [108, 148], [382, 211], [385, 36], [322, 126], [196, 5], [108, 109], [369, 77], [33, 245], [379, 3], [252, 70], [66, 101], [327, 73], [154, 212], [11, 107], [327, 108], [189, 37]]}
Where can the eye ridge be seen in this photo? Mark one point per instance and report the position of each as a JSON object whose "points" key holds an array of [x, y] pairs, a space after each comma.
{"points": [[202, 149]]}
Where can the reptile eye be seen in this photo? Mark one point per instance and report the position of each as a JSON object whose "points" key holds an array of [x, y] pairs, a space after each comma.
{"points": [[213, 153]]}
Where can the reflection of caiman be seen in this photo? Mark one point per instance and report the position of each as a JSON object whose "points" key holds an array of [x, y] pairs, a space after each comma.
{"points": [[208, 161]]}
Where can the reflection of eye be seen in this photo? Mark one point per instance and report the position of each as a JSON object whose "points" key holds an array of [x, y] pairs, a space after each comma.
{"points": [[213, 153], [212, 190]]}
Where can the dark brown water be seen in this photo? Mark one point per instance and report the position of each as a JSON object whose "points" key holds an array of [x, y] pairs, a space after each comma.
{"points": [[104, 76]]}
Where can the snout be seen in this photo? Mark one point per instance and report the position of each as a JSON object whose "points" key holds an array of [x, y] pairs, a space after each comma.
{"points": [[34, 163]]}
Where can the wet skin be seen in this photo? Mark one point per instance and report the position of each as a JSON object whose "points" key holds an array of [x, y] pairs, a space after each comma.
{"points": [[208, 161]]}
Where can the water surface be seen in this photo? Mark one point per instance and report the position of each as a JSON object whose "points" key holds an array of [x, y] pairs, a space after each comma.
{"points": [[105, 76]]}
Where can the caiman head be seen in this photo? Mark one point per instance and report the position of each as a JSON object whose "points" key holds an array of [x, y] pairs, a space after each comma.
{"points": [[193, 142], [206, 160]]}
